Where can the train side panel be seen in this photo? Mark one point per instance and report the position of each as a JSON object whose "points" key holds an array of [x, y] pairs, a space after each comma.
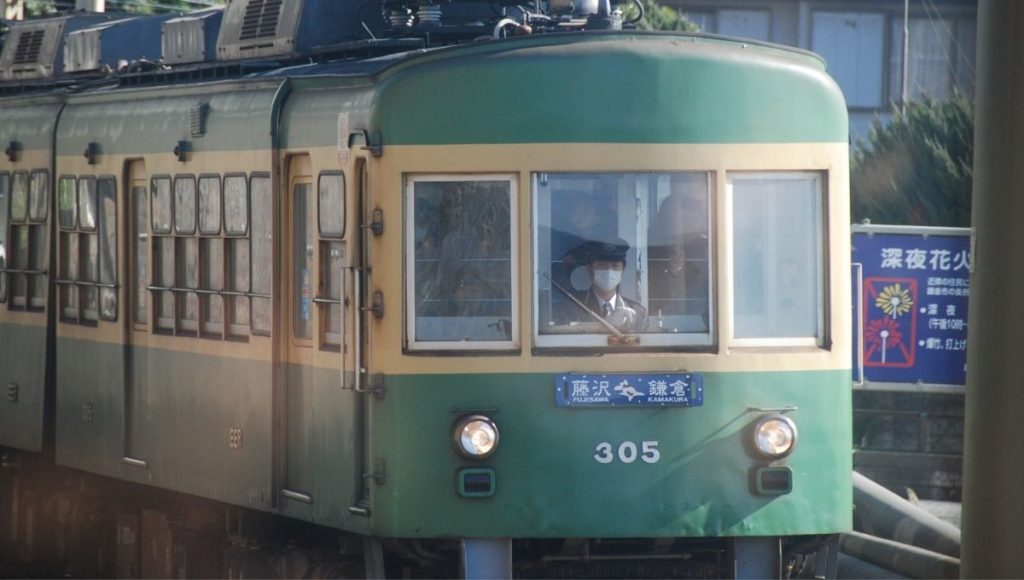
{"points": [[145, 395], [26, 132]]}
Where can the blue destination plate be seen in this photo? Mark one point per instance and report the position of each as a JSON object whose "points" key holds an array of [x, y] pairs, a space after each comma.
{"points": [[674, 390]]}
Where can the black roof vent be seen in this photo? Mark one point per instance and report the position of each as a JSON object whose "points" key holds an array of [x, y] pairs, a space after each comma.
{"points": [[260, 20], [30, 42]]}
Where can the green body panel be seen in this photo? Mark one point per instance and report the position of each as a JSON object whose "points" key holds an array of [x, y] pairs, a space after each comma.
{"points": [[152, 122], [549, 484], [605, 88], [175, 410], [320, 456], [311, 114], [30, 122], [182, 406], [22, 362]]}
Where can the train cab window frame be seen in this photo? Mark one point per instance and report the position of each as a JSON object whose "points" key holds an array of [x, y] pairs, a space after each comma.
{"points": [[5, 196], [461, 257], [331, 201], [624, 260], [87, 249], [28, 244], [773, 250]]}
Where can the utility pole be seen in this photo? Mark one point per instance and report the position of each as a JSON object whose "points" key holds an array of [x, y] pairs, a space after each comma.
{"points": [[906, 54]]}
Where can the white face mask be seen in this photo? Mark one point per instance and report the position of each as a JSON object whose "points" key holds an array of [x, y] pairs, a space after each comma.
{"points": [[607, 280]]}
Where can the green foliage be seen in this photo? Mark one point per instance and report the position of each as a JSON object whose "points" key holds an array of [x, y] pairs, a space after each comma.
{"points": [[917, 169], [658, 17]]}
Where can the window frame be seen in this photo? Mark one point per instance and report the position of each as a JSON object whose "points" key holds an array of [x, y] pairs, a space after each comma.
{"points": [[598, 342], [822, 339], [511, 346]]}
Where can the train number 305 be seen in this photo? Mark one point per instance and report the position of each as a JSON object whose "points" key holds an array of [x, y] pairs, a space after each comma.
{"points": [[628, 452]]}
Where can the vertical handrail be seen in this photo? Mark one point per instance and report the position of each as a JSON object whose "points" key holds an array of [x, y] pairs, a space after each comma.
{"points": [[859, 307]]}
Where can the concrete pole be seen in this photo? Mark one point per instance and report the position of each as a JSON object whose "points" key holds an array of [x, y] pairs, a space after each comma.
{"points": [[993, 500]]}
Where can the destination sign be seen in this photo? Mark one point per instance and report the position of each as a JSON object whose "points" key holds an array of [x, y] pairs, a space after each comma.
{"points": [[637, 390]]}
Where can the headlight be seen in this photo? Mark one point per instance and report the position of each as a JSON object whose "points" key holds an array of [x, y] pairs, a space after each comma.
{"points": [[774, 436], [476, 437]]}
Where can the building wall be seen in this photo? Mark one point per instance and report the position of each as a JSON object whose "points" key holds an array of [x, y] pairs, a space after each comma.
{"points": [[862, 40]]}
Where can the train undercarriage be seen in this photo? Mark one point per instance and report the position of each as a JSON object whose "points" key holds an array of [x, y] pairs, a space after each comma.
{"points": [[67, 523]]}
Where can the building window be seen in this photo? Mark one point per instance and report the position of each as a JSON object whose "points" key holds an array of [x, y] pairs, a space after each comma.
{"points": [[941, 58], [852, 45], [461, 247], [754, 24], [778, 258]]}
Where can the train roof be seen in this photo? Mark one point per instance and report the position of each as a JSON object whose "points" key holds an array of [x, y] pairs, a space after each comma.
{"points": [[305, 38]]}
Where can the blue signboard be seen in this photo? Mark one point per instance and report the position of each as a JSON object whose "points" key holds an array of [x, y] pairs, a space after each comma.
{"points": [[910, 297], [671, 390]]}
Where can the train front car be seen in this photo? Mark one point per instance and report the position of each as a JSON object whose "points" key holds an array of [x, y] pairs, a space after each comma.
{"points": [[623, 335]]}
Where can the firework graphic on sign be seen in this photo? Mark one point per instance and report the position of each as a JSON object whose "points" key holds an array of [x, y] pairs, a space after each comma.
{"points": [[882, 334], [889, 325], [894, 301]]}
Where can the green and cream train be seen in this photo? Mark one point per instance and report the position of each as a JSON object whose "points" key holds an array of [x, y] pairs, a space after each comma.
{"points": [[334, 310]]}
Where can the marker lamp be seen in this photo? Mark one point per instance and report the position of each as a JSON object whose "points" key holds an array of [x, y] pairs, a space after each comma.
{"points": [[475, 437], [774, 436]]}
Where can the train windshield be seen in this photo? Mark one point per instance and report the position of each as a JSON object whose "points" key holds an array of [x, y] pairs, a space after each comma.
{"points": [[624, 255]]}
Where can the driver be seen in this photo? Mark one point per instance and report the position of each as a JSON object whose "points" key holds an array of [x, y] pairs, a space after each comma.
{"points": [[605, 264]]}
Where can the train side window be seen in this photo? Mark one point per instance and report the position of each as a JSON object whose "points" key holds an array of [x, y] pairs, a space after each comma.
{"points": [[67, 202], [209, 205], [107, 189], [28, 242], [87, 256], [19, 197], [184, 204], [778, 258], [87, 203], [38, 195], [331, 188], [88, 246], [18, 240], [140, 231], [236, 205], [236, 226], [161, 195], [186, 254], [331, 221], [262, 259], [211, 257], [302, 262], [461, 248], [5, 186]]}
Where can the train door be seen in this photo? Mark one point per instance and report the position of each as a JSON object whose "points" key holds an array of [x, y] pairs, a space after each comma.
{"points": [[136, 448], [299, 333]]}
